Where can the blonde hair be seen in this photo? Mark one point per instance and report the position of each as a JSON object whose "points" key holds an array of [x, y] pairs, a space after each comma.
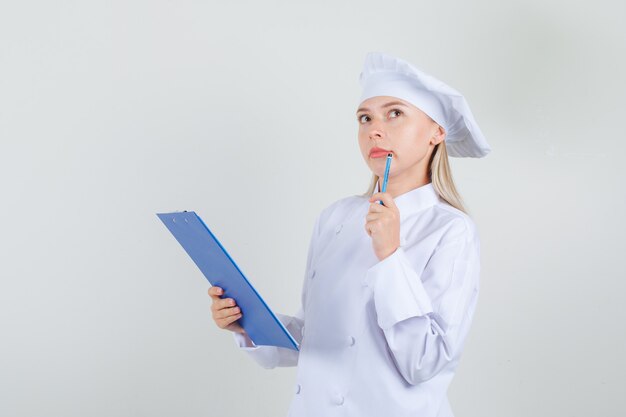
{"points": [[439, 174]]}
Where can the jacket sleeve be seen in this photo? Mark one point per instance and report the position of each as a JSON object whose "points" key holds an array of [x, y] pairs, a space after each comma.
{"points": [[272, 356], [425, 316]]}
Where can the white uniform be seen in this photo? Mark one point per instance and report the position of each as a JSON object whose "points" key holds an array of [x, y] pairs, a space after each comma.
{"points": [[381, 338]]}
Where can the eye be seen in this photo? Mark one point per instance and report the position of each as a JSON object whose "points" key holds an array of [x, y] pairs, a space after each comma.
{"points": [[395, 110], [362, 116]]}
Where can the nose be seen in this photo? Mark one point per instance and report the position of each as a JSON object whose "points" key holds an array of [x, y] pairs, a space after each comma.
{"points": [[375, 133]]}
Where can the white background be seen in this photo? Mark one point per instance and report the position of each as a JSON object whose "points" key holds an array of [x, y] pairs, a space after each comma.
{"points": [[112, 111]]}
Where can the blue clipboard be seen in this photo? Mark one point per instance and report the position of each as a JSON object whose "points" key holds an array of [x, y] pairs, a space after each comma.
{"points": [[259, 322]]}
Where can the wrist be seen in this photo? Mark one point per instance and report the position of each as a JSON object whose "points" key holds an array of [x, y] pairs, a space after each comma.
{"points": [[389, 254]]}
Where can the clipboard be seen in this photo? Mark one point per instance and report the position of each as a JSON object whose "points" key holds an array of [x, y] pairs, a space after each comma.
{"points": [[219, 268]]}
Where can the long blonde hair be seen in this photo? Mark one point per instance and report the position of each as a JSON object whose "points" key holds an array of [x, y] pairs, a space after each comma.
{"points": [[439, 174]]}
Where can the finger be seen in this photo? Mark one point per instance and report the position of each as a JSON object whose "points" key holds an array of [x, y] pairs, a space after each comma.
{"points": [[215, 292], [377, 208], [221, 303], [373, 216], [384, 197], [227, 312], [223, 323], [380, 220], [373, 227], [226, 303]]}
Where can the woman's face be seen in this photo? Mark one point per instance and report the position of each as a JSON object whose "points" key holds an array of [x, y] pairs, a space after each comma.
{"points": [[397, 126]]}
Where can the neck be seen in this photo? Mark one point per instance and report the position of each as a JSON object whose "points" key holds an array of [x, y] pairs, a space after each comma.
{"points": [[398, 186]]}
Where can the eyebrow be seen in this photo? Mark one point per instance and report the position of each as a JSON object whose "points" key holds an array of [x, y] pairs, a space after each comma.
{"points": [[391, 103]]}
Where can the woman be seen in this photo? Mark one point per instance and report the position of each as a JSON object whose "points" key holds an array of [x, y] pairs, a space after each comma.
{"points": [[389, 290]]}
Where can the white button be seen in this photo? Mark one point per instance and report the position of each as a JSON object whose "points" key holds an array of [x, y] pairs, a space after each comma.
{"points": [[351, 340], [338, 229], [298, 387], [312, 273], [338, 399]]}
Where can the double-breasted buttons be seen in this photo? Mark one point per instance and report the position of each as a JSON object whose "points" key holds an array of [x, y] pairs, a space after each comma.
{"points": [[338, 228], [337, 399], [298, 388]]}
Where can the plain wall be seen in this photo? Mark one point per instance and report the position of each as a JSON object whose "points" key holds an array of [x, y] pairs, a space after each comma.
{"points": [[112, 111]]}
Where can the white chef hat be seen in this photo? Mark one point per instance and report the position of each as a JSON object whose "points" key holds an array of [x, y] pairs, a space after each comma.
{"points": [[385, 75]]}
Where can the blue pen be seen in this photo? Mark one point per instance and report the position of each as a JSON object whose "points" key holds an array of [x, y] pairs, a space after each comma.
{"points": [[386, 176]]}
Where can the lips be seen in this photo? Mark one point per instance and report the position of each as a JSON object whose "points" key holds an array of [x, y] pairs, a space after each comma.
{"points": [[378, 152]]}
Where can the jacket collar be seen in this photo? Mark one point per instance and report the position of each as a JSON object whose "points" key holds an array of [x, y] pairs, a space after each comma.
{"points": [[415, 200]]}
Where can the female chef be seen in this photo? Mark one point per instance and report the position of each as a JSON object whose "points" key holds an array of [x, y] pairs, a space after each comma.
{"points": [[390, 289]]}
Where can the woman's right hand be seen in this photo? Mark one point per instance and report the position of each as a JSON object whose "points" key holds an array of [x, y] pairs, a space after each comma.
{"points": [[225, 311]]}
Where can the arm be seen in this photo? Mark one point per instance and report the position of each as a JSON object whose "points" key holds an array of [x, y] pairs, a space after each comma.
{"points": [[272, 356], [425, 317]]}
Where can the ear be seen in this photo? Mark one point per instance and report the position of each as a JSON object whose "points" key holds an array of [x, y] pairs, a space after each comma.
{"points": [[439, 135]]}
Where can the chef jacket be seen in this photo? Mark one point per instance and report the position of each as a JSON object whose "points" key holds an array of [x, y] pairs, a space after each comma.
{"points": [[380, 337]]}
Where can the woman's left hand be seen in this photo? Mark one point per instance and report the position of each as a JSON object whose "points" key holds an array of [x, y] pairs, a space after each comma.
{"points": [[383, 225]]}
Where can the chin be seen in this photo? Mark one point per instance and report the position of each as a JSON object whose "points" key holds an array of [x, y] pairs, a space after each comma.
{"points": [[380, 174], [379, 165]]}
